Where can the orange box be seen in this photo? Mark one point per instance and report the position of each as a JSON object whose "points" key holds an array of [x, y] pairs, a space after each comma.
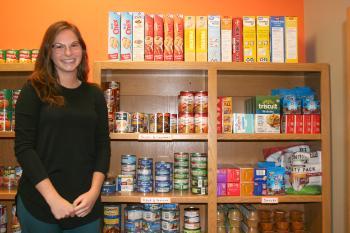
{"points": [[158, 38], [247, 174], [247, 189], [168, 37], [178, 37]]}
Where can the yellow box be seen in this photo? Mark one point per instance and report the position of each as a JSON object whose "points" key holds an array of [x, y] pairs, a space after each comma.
{"points": [[263, 39], [249, 39], [227, 124], [201, 38], [291, 39], [190, 38], [226, 39]]}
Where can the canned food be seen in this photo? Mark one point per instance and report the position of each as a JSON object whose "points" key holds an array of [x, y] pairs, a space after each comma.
{"points": [[144, 183], [181, 175], [164, 177], [161, 184], [181, 163], [122, 122], [163, 165], [5, 120], [181, 170], [200, 191], [144, 172], [139, 122], [192, 231], [173, 123], [133, 226], [128, 168], [199, 172], [199, 181], [186, 123], [25, 56], [110, 99], [145, 189], [152, 122], [181, 156], [3, 214], [15, 95], [125, 183], [151, 226], [181, 186], [132, 213], [145, 178], [9, 177], [128, 159], [152, 207], [108, 186], [112, 215], [12, 56], [198, 155], [3, 228], [35, 53], [110, 228], [163, 122], [6, 100], [116, 87], [145, 163], [2, 56], [201, 102], [201, 123], [186, 102]]}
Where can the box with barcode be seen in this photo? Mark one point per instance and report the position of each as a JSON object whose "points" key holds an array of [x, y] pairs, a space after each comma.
{"points": [[243, 123], [201, 39], [138, 37], [214, 41], [291, 39], [237, 39], [190, 38], [277, 38], [226, 39], [126, 36], [263, 38], [249, 39]]}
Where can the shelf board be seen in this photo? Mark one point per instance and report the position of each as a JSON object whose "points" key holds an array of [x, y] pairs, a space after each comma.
{"points": [[281, 199], [10, 134], [17, 67], [7, 194], [158, 137], [269, 137]]}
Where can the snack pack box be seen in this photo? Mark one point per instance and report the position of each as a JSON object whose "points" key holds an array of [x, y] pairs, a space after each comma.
{"points": [[126, 36], [249, 39], [178, 37], [299, 125], [227, 124], [247, 189], [263, 38], [267, 104], [237, 39], [247, 174], [158, 38], [288, 124], [243, 123], [307, 125], [315, 124], [291, 39], [277, 38], [168, 37], [233, 175], [226, 39], [149, 35], [233, 189], [219, 114], [221, 189], [291, 104], [201, 38], [113, 36], [214, 47], [267, 123], [190, 38], [138, 28]]}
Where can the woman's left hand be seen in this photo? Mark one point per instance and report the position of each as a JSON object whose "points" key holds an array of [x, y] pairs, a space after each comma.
{"points": [[84, 203]]}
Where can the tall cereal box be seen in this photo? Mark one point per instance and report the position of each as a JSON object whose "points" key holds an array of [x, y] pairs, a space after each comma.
{"points": [[158, 38], [226, 39], [178, 37], [291, 39], [168, 37], [138, 44], [149, 34], [249, 39], [113, 36], [263, 38], [277, 38], [190, 38], [201, 38], [126, 36], [237, 39], [214, 47]]}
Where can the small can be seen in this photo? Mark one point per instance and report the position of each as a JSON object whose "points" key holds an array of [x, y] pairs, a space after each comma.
{"points": [[15, 95], [186, 102], [6, 96], [200, 191], [128, 168], [152, 207], [181, 175], [173, 123], [192, 218], [165, 177], [108, 187], [152, 122], [132, 213], [2, 56], [139, 122], [35, 53], [112, 215], [122, 122], [163, 165], [25, 56], [12, 56], [151, 215], [9, 178], [192, 231], [201, 123], [3, 214], [151, 226], [145, 189], [163, 122], [199, 172], [162, 189], [186, 123], [181, 163], [5, 120], [144, 178], [144, 172], [163, 183], [110, 228], [111, 120], [128, 159], [16, 228], [145, 163], [199, 181], [181, 156], [181, 184], [201, 102], [125, 183]]}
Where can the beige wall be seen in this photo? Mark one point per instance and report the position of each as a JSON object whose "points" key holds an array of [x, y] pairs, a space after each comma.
{"points": [[325, 42]]}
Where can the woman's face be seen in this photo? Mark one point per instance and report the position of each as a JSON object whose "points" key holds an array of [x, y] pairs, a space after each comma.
{"points": [[66, 53]]}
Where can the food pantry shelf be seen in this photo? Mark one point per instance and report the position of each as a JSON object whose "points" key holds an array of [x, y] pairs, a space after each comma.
{"points": [[269, 137], [158, 137], [10, 134], [17, 67], [273, 199], [7, 194]]}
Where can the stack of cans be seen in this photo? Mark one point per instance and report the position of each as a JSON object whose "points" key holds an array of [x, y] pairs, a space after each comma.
{"points": [[181, 171], [192, 220], [129, 165], [199, 173], [133, 215], [112, 218], [170, 218], [145, 175], [164, 177], [151, 218], [112, 97]]}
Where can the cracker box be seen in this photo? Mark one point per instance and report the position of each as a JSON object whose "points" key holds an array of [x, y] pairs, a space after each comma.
{"points": [[222, 175], [226, 39], [219, 114], [113, 36], [214, 41], [233, 175], [249, 39], [247, 189], [291, 104], [288, 124], [227, 124], [299, 125], [126, 36], [138, 29], [233, 189], [237, 40], [291, 39], [243, 123], [315, 124], [158, 38], [307, 124], [149, 34], [267, 105], [310, 106], [263, 39], [168, 37], [221, 189], [190, 38], [247, 174], [201, 38], [178, 37], [277, 38], [267, 123]]}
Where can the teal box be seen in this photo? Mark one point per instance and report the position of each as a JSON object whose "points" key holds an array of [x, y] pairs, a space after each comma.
{"points": [[243, 123]]}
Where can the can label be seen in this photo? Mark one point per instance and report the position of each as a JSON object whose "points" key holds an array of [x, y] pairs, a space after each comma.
{"points": [[3, 215], [6, 96], [181, 155], [122, 122], [35, 53], [186, 102], [12, 56], [5, 120], [112, 214], [153, 123], [25, 56], [139, 122], [163, 122], [128, 159], [186, 123], [171, 225], [200, 191], [2, 56], [201, 102], [201, 123], [173, 123]]}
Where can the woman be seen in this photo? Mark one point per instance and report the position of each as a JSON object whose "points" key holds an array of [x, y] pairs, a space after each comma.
{"points": [[62, 139]]}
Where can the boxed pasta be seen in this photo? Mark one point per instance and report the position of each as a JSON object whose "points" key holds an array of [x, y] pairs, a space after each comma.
{"points": [[249, 39], [201, 38], [113, 36], [263, 38], [214, 47], [178, 37], [149, 34], [237, 40], [138, 28], [190, 38], [291, 39], [158, 38], [168, 37], [277, 38], [126, 36], [226, 39]]}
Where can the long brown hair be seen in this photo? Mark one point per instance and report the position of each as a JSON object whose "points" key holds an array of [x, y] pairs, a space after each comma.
{"points": [[44, 79]]}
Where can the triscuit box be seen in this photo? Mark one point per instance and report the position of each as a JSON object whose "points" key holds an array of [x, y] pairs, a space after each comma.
{"points": [[226, 39], [237, 40], [214, 47], [138, 44], [190, 38], [168, 37], [201, 38], [149, 34], [249, 39], [158, 38], [267, 104], [243, 123], [277, 38], [113, 36], [291, 39], [263, 38], [267, 123], [126, 36], [178, 37]]}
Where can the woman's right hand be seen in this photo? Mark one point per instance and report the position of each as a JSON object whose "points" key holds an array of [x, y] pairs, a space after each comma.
{"points": [[61, 208]]}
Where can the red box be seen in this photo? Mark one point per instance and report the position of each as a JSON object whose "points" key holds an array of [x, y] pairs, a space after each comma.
{"points": [[168, 37], [158, 38], [288, 124], [237, 40], [178, 37], [299, 124], [315, 124], [233, 189], [233, 175], [149, 34], [307, 124], [219, 114]]}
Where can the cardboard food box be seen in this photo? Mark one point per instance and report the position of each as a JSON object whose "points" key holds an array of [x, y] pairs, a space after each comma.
{"points": [[214, 47], [158, 38], [190, 38], [226, 39], [149, 34], [267, 105], [178, 37], [291, 39], [243, 123], [267, 123], [201, 38], [263, 38], [315, 124], [307, 124], [233, 189], [247, 189], [138, 28], [277, 38], [168, 37], [227, 124], [237, 39], [291, 104], [219, 114], [113, 36], [233, 175], [126, 36], [299, 125], [288, 124], [249, 39]]}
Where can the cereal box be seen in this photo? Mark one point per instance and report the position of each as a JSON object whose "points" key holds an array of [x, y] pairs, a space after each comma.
{"points": [[243, 123], [267, 104], [219, 115], [201, 38], [227, 124], [138, 28], [277, 38], [158, 38], [178, 37], [190, 38], [291, 39], [263, 38], [233, 175], [226, 39], [237, 40], [288, 124], [233, 189], [221, 189], [214, 41], [113, 36], [291, 104], [267, 123], [126, 36], [168, 37], [249, 39], [149, 34]]}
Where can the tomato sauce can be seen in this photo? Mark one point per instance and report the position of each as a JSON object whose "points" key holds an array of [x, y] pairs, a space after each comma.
{"points": [[122, 122], [6, 100], [35, 53], [2, 56], [12, 56], [201, 123], [5, 120], [186, 123], [163, 122], [186, 102], [152, 123], [139, 122], [201, 102], [25, 56], [9, 177]]}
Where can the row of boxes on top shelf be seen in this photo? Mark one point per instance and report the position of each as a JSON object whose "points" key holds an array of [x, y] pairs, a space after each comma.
{"points": [[287, 170], [8, 99], [135, 36], [286, 111], [4, 221], [18, 56]]}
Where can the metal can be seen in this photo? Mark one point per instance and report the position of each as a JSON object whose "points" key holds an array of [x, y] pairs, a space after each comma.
{"points": [[181, 156], [133, 213], [122, 122], [152, 126], [108, 186], [145, 163], [163, 165], [25, 56], [199, 172], [35, 53], [111, 228], [139, 122], [181, 184], [128, 159], [163, 122], [115, 86], [3, 214], [9, 178], [5, 120], [2, 56], [109, 95], [6, 100], [112, 215], [111, 120], [201, 102], [173, 123], [12, 56], [186, 102], [16, 228], [192, 218], [199, 162], [200, 191], [199, 181], [192, 231], [15, 95], [152, 206], [201, 123], [186, 123], [151, 226]]}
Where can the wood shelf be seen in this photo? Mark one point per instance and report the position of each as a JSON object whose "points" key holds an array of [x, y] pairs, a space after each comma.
{"points": [[269, 137], [17, 67], [281, 199], [7, 194], [158, 137], [9, 134]]}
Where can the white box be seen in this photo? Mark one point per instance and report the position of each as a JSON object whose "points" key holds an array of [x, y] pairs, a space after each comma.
{"points": [[214, 41], [277, 39], [138, 44], [226, 39], [267, 123], [114, 36]]}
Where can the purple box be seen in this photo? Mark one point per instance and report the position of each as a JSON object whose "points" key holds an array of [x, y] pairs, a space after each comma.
{"points": [[221, 189], [222, 175]]}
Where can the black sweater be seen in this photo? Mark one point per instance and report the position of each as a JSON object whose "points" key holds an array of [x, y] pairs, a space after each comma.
{"points": [[65, 144]]}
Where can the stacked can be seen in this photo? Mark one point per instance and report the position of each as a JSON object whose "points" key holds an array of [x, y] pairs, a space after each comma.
{"points": [[12, 56], [3, 218], [170, 218], [152, 125], [129, 166], [201, 112], [112, 218], [112, 97], [2, 56], [133, 216], [15, 227], [164, 177], [25, 56], [5, 109], [199, 172], [163, 122], [181, 171], [35, 53], [192, 220], [139, 122], [151, 218], [15, 95], [122, 122], [186, 110], [144, 177]]}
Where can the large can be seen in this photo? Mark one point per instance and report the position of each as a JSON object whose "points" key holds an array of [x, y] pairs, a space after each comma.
{"points": [[116, 87], [186, 123], [139, 122], [25, 56], [201, 102], [5, 120], [12, 56], [6, 100], [152, 126], [35, 53], [186, 102], [163, 122], [170, 218], [110, 99], [192, 219], [112, 215], [2, 56], [173, 123], [122, 122], [133, 219], [201, 123]]}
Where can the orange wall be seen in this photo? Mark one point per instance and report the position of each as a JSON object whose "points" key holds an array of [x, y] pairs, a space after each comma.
{"points": [[24, 22]]}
